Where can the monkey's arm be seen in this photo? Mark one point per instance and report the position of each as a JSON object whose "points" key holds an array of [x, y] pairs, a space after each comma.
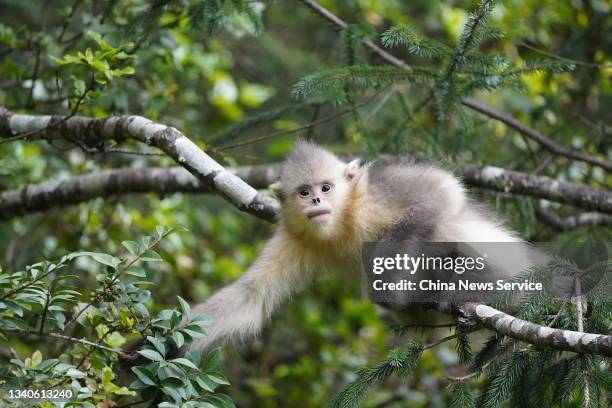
{"points": [[240, 309]]}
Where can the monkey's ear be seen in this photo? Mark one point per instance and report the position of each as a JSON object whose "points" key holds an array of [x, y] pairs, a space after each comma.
{"points": [[352, 169], [277, 190]]}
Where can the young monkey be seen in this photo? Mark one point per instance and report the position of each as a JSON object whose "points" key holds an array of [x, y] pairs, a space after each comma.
{"points": [[329, 208]]}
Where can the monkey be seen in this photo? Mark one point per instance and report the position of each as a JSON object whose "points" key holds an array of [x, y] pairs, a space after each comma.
{"points": [[328, 209]]}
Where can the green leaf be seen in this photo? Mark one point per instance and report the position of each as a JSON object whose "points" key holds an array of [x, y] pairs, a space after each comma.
{"points": [[136, 271], [79, 86], [151, 355], [205, 383], [152, 256], [185, 362], [194, 330], [103, 258], [178, 338], [144, 375], [114, 340], [220, 401], [218, 378], [161, 231], [202, 319], [184, 307], [172, 382], [211, 362], [132, 247], [158, 345]]}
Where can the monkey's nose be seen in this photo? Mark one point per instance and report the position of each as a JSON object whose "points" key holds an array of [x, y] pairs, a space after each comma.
{"points": [[316, 200]]}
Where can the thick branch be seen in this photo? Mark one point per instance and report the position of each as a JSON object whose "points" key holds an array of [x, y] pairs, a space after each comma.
{"points": [[573, 221], [509, 181], [533, 134], [74, 190], [537, 335], [77, 189], [93, 132]]}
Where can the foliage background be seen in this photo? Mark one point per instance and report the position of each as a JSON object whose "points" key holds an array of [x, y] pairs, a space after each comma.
{"points": [[202, 83]]}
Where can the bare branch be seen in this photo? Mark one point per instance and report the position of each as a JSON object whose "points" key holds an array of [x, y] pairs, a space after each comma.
{"points": [[533, 134], [93, 132], [470, 103], [63, 337], [509, 181], [77, 189], [573, 221], [518, 329]]}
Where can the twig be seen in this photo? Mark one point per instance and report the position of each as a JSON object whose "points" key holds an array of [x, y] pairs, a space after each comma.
{"points": [[580, 326], [34, 76], [458, 333], [75, 5], [64, 337], [30, 283], [558, 57], [309, 125], [533, 134]]}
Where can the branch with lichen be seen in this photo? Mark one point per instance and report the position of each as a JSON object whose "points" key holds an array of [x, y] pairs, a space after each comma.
{"points": [[92, 132], [77, 189]]}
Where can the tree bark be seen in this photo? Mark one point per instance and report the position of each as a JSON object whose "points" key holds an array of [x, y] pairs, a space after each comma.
{"points": [[93, 132], [159, 180]]}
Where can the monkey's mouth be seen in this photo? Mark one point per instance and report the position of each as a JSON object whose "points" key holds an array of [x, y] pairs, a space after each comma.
{"points": [[319, 216]]}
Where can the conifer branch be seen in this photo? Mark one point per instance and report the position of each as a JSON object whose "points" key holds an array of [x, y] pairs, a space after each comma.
{"points": [[470, 103], [533, 134]]}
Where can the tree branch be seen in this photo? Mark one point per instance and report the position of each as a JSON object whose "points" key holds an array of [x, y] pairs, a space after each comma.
{"points": [[93, 132], [212, 175], [63, 337], [470, 103], [533, 134], [159, 180], [572, 221], [566, 340], [509, 181]]}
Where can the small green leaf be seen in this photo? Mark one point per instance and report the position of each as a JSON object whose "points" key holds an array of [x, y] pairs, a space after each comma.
{"points": [[185, 362], [103, 259], [132, 247], [178, 338], [206, 384], [150, 255], [161, 231], [218, 378], [136, 271], [211, 362], [172, 382], [184, 307], [202, 319], [194, 330], [158, 345], [144, 375], [151, 355]]}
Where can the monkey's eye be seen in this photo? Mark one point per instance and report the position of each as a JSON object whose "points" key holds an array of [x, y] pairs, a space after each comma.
{"points": [[304, 193], [325, 188]]}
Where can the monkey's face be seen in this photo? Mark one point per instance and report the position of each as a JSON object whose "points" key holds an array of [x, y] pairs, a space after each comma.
{"points": [[316, 207]]}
